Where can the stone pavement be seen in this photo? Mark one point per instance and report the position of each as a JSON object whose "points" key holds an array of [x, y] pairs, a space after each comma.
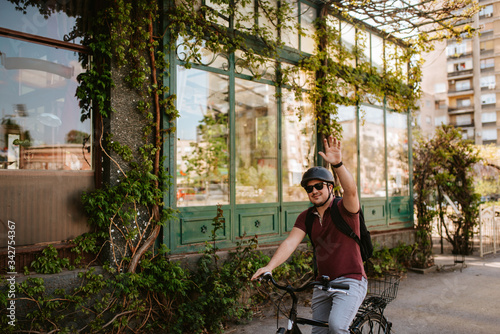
{"points": [[451, 299]]}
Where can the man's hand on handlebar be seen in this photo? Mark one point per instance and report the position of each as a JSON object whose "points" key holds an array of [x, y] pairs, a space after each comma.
{"points": [[260, 272]]}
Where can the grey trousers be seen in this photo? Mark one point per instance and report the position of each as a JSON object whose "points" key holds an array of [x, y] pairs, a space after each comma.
{"points": [[338, 308]]}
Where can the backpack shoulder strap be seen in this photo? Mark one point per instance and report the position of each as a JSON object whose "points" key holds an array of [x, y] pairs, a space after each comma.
{"points": [[340, 223], [309, 223]]}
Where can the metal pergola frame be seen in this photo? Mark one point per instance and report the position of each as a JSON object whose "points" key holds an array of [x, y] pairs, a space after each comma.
{"points": [[406, 19]]}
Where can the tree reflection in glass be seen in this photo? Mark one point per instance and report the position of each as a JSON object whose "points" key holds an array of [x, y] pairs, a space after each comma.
{"points": [[372, 152], [347, 117], [298, 144], [256, 142], [397, 154], [202, 145], [39, 112]]}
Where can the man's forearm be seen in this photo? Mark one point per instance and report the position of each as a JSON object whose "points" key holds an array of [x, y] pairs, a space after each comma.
{"points": [[350, 195], [346, 181], [283, 252]]}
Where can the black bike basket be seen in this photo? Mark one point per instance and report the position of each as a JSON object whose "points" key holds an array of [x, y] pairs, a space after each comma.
{"points": [[385, 288]]}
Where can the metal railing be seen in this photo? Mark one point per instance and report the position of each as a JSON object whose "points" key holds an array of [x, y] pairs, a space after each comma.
{"points": [[489, 230], [486, 233]]}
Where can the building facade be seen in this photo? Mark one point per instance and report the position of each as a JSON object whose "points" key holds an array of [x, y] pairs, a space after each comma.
{"points": [[465, 86], [239, 141]]}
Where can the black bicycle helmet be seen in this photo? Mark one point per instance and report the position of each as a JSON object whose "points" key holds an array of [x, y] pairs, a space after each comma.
{"points": [[316, 173]]}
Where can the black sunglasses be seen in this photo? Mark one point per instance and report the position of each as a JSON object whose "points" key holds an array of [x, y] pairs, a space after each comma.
{"points": [[318, 186]]}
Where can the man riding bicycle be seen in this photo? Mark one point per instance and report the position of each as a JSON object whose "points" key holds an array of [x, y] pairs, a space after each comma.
{"points": [[337, 255]]}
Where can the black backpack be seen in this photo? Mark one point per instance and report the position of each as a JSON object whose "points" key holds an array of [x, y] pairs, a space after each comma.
{"points": [[364, 241]]}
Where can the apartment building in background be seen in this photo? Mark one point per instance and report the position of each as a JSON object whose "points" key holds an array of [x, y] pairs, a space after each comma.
{"points": [[460, 81]]}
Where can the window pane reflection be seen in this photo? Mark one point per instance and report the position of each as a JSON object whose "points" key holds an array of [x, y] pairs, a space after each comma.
{"points": [[219, 13], [372, 152], [299, 144], [347, 117], [377, 53], [348, 38], [265, 21], [202, 145], [256, 142], [397, 154], [291, 36], [52, 19], [307, 21], [40, 115]]}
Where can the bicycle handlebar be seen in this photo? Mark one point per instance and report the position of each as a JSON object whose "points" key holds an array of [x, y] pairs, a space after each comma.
{"points": [[325, 284]]}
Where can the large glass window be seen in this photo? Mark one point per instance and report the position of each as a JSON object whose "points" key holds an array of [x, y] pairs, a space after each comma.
{"points": [[58, 23], [265, 21], [202, 138], [299, 144], [219, 14], [397, 154], [307, 22], [203, 154], [465, 102], [460, 66], [372, 152], [488, 98], [46, 151], [364, 41], [391, 54], [347, 117], [291, 36], [463, 120], [348, 39], [462, 85], [486, 11], [244, 140], [487, 45], [456, 49], [304, 15], [245, 16], [487, 63], [490, 134], [377, 46], [488, 117], [40, 116], [489, 81], [256, 148]]}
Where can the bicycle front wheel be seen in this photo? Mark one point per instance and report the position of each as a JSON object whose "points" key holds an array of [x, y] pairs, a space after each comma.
{"points": [[371, 323]]}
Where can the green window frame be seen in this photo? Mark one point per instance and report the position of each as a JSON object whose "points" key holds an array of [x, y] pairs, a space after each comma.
{"points": [[270, 208], [269, 205]]}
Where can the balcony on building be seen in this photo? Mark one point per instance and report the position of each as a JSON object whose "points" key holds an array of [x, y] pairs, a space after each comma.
{"points": [[488, 106], [487, 69], [488, 87], [460, 74], [487, 52], [463, 124], [452, 110], [453, 92], [487, 34], [460, 55]]}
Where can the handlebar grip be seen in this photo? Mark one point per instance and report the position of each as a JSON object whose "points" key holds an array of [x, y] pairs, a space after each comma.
{"points": [[266, 276], [341, 286]]}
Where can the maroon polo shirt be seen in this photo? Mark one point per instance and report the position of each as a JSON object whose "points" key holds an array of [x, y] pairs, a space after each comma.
{"points": [[337, 254]]}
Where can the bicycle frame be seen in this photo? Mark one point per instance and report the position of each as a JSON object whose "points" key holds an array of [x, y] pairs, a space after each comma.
{"points": [[293, 319], [369, 318]]}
